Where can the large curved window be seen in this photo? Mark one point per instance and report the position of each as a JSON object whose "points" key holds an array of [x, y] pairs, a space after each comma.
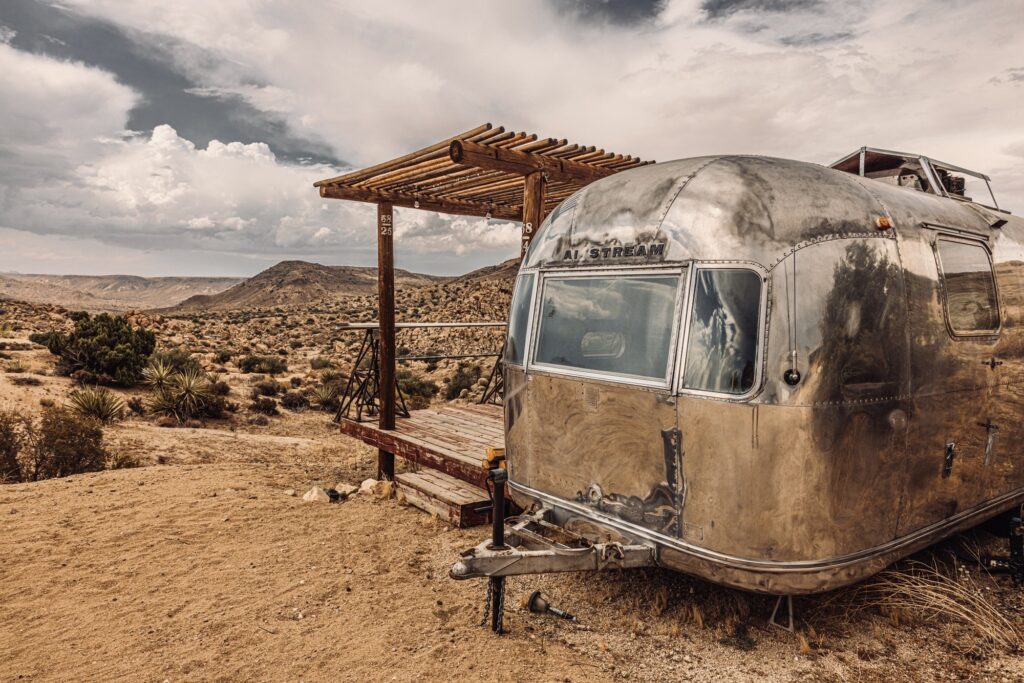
{"points": [[722, 338], [609, 324], [518, 320]]}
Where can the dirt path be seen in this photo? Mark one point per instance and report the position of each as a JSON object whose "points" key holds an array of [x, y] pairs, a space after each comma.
{"points": [[211, 572]]}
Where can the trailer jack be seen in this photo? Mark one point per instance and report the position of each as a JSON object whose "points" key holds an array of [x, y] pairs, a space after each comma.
{"points": [[530, 544], [1012, 563]]}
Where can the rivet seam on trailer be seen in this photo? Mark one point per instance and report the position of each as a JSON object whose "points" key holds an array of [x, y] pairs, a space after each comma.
{"points": [[682, 186]]}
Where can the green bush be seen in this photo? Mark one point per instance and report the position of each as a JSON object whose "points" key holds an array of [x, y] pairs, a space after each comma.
{"points": [[464, 378], [268, 365], [103, 347], [158, 373], [99, 404], [265, 406], [61, 444], [320, 363], [267, 388], [13, 431], [294, 400], [418, 390], [222, 356], [178, 360]]}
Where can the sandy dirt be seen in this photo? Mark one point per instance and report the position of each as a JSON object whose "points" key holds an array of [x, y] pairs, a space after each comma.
{"points": [[199, 565]]}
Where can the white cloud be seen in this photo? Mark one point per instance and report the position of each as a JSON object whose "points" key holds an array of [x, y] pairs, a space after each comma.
{"points": [[376, 80]]}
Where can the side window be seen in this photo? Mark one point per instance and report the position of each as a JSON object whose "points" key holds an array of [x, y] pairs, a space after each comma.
{"points": [[969, 287], [518, 320], [722, 341]]}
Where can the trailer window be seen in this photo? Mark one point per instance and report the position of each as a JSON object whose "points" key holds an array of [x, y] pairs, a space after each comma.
{"points": [[970, 288], [722, 340], [519, 317], [620, 325]]}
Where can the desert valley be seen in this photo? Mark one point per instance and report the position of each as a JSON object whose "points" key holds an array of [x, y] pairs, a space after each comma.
{"points": [[190, 553]]}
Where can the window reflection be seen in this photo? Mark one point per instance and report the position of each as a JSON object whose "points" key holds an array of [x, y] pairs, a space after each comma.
{"points": [[621, 324], [970, 287], [721, 350], [515, 350]]}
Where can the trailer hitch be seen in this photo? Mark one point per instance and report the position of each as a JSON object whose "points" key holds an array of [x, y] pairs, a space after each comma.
{"points": [[530, 544]]}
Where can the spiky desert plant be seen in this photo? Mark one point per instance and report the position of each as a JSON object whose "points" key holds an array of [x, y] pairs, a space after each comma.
{"points": [[191, 390], [100, 404], [158, 373], [324, 396]]}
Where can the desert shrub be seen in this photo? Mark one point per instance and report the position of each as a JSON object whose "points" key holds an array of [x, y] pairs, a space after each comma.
{"points": [[62, 444], [418, 390], [106, 346], [222, 356], [294, 400], [136, 405], [15, 368], [296, 382], [324, 397], [26, 381], [178, 360], [320, 363], [264, 364], [267, 388], [53, 340], [336, 376], [220, 388], [13, 432], [295, 344], [264, 406], [465, 377], [100, 404]]}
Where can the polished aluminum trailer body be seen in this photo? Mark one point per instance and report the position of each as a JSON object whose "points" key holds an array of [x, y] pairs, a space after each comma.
{"points": [[815, 379]]}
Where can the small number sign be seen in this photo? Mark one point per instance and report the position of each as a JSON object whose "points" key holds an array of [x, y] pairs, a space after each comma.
{"points": [[385, 225]]}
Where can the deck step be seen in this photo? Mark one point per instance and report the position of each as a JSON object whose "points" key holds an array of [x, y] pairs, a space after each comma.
{"points": [[451, 499]]}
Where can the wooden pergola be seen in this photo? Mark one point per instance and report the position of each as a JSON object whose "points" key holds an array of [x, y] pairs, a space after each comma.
{"points": [[487, 172]]}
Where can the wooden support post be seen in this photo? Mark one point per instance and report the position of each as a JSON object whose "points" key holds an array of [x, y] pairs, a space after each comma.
{"points": [[533, 207], [386, 316]]}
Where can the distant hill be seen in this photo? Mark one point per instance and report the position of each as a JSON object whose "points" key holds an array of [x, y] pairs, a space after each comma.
{"points": [[113, 293], [503, 272], [298, 283]]}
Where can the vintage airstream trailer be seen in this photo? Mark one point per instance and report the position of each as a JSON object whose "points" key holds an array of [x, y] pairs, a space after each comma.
{"points": [[771, 374]]}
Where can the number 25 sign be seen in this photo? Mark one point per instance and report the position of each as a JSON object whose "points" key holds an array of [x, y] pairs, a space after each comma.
{"points": [[386, 226]]}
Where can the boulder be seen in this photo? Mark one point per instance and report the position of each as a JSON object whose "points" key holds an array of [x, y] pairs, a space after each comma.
{"points": [[367, 486], [345, 490], [316, 495]]}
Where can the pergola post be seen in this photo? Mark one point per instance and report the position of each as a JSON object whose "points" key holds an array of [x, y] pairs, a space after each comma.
{"points": [[386, 316], [533, 207]]}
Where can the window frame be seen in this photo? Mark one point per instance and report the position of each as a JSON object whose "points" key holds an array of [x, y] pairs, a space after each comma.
{"points": [[944, 294], [762, 329], [535, 276], [666, 382]]}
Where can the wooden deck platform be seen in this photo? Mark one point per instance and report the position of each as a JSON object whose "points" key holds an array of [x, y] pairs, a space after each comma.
{"points": [[452, 439]]}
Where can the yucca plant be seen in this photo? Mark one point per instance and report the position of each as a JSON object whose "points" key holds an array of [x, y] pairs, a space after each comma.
{"points": [[158, 374], [324, 396], [101, 404], [192, 390]]}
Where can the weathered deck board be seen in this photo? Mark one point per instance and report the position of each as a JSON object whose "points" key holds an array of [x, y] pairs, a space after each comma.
{"points": [[451, 439], [452, 500]]}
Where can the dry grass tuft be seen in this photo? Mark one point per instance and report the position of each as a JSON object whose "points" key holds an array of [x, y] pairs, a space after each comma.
{"points": [[920, 591]]}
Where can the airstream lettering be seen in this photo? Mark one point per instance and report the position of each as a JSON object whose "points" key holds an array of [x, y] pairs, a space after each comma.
{"points": [[821, 371], [653, 250]]}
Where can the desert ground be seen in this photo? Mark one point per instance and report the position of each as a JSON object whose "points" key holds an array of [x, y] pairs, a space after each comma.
{"points": [[203, 562]]}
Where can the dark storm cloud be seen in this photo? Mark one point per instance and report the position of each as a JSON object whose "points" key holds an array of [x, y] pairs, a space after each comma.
{"points": [[1016, 74], [813, 39], [720, 9], [143, 63], [619, 12]]}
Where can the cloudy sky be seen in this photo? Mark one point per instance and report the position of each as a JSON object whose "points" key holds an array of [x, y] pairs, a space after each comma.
{"points": [[183, 138]]}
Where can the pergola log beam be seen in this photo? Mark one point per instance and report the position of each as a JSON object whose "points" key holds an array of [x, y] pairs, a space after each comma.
{"points": [[452, 206], [513, 161]]}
